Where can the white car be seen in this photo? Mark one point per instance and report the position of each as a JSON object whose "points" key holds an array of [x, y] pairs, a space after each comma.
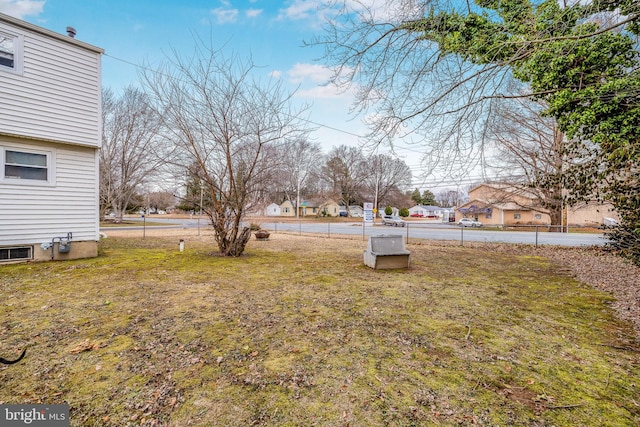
{"points": [[468, 222], [393, 220]]}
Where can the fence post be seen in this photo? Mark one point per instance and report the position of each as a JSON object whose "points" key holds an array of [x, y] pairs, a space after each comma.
{"points": [[461, 235], [536, 236], [329, 229]]}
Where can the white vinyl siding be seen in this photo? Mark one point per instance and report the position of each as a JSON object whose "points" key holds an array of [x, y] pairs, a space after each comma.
{"points": [[56, 97], [50, 109], [36, 214]]}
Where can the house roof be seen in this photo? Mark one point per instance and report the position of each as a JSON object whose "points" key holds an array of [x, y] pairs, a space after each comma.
{"points": [[507, 189], [429, 207], [27, 26]]}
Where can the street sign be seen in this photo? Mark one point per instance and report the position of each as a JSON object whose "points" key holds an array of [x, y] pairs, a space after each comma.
{"points": [[368, 213]]}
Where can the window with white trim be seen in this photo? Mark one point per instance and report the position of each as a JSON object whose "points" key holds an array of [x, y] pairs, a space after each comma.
{"points": [[22, 165], [10, 52]]}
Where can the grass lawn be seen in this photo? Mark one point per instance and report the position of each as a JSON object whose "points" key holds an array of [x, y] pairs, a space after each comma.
{"points": [[298, 332]]}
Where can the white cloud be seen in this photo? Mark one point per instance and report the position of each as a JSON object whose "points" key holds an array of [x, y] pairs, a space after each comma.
{"points": [[225, 14], [328, 91], [315, 73], [314, 82], [252, 13], [300, 9], [318, 11], [21, 8], [276, 74]]}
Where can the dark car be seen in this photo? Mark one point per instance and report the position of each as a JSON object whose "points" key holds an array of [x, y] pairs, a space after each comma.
{"points": [[343, 213]]}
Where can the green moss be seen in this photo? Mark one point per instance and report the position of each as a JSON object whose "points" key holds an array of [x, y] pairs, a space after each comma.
{"points": [[290, 337]]}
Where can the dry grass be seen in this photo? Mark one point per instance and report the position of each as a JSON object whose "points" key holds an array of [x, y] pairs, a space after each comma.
{"points": [[299, 332]]}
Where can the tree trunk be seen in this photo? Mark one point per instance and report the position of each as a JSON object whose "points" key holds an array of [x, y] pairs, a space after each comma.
{"points": [[236, 247]]}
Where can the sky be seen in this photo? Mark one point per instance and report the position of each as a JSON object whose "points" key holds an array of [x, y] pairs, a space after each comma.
{"points": [[136, 33]]}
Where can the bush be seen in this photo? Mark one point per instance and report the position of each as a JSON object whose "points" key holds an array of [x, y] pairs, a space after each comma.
{"points": [[404, 212], [388, 210]]}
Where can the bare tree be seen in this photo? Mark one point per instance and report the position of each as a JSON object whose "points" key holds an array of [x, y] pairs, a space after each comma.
{"points": [[345, 171], [407, 87], [530, 153], [160, 200], [426, 73], [130, 153], [451, 198], [384, 176], [226, 125], [301, 161]]}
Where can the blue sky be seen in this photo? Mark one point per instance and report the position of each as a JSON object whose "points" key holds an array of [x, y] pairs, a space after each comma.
{"points": [[137, 32]]}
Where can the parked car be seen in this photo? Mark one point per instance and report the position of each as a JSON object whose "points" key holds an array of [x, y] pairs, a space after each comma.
{"points": [[394, 220], [468, 222], [343, 213], [416, 215]]}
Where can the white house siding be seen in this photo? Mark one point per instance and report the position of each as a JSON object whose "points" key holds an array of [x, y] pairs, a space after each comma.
{"points": [[34, 214], [57, 95]]}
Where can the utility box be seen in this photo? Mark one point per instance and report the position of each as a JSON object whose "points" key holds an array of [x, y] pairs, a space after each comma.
{"points": [[386, 252], [64, 246]]}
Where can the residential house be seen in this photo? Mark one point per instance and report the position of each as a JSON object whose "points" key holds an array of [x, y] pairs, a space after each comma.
{"points": [[330, 208], [503, 204], [426, 211], [50, 134], [272, 210], [591, 214], [309, 208], [287, 209]]}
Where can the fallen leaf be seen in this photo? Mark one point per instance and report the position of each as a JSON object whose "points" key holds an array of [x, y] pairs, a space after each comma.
{"points": [[86, 345]]}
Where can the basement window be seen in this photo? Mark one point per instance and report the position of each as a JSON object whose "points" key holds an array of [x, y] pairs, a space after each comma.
{"points": [[23, 253]]}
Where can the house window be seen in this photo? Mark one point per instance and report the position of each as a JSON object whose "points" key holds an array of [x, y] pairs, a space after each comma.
{"points": [[537, 216], [516, 216], [286, 210], [13, 254], [30, 165], [10, 52]]}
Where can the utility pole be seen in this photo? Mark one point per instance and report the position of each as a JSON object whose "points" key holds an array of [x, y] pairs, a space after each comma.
{"points": [[375, 200]]}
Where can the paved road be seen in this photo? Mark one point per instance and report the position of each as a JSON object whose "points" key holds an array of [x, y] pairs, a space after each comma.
{"points": [[445, 232], [413, 230]]}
